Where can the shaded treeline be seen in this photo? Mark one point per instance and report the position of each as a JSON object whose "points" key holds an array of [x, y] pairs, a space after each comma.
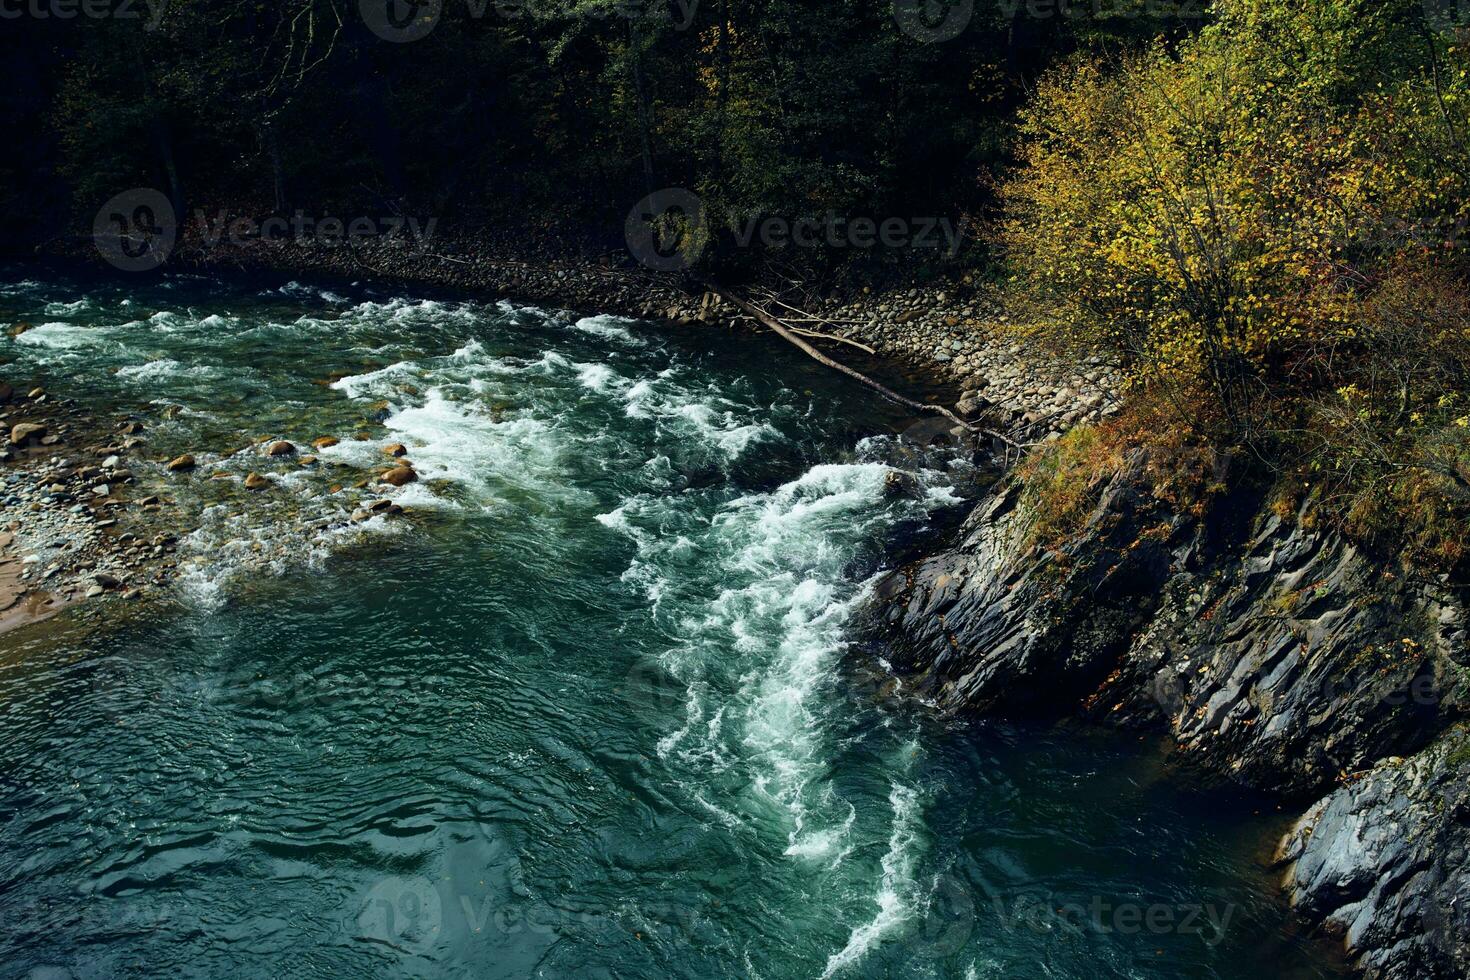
{"points": [[537, 118]]}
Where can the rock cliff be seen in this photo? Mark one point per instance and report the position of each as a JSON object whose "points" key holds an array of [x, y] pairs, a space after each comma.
{"points": [[1275, 655]]}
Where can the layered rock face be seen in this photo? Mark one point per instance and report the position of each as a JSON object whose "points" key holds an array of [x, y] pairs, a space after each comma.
{"points": [[1277, 656], [1386, 860]]}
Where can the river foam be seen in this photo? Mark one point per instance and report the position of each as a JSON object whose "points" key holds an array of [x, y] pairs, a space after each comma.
{"points": [[569, 443]]}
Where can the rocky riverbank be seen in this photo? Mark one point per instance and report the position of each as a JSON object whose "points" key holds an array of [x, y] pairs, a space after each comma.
{"points": [[1271, 653], [93, 511], [958, 334], [78, 523], [91, 508]]}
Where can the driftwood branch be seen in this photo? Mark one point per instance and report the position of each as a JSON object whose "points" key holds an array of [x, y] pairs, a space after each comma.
{"points": [[816, 335], [785, 333], [804, 315]]}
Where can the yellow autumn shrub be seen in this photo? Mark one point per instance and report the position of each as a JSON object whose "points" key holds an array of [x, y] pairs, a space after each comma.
{"points": [[1264, 226]]}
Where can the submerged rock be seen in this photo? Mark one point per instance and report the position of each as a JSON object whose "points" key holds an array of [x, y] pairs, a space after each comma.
{"points": [[256, 482], [325, 442]]}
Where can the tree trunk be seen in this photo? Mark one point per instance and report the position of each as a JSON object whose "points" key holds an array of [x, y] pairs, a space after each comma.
{"points": [[645, 145], [272, 146], [784, 332]]}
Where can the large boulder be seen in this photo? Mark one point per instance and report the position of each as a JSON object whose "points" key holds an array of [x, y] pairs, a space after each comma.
{"points": [[25, 432], [399, 476], [1385, 863]]}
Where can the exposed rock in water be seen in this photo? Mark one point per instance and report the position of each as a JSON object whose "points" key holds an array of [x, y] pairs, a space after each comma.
{"points": [[1385, 861], [400, 476], [397, 449], [970, 406], [1275, 656], [897, 483], [181, 463], [325, 442], [281, 448], [256, 482]]}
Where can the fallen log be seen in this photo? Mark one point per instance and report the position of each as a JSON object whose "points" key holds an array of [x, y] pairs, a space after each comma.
{"points": [[787, 334]]}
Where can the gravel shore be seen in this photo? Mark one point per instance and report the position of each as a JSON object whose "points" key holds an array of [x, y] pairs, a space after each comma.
{"points": [[77, 522]]}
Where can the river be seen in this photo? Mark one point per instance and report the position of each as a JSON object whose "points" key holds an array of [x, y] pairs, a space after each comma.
{"points": [[590, 708]]}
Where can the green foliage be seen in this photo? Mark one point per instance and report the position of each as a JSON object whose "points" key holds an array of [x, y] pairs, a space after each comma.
{"points": [[1061, 484], [1262, 226]]}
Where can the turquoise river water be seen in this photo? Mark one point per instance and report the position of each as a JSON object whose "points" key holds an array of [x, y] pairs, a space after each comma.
{"points": [[590, 709]]}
